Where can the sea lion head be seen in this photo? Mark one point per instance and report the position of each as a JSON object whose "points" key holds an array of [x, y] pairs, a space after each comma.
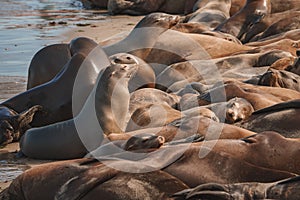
{"points": [[14, 125], [144, 141], [238, 109]]}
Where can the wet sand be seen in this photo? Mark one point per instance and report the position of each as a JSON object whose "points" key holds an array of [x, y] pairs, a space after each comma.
{"points": [[104, 32]]}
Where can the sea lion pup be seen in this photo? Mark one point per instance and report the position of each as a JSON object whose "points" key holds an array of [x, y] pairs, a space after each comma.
{"points": [[109, 101], [50, 60], [282, 117], [14, 125], [241, 22], [210, 13], [284, 189], [259, 96], [280, 78], [145, 96]]}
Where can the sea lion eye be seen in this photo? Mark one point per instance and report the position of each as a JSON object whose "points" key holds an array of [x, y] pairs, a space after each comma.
{"points": [[128, 58]]}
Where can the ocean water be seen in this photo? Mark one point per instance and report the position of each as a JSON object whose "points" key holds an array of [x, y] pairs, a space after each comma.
{"points": [[28, 25]]}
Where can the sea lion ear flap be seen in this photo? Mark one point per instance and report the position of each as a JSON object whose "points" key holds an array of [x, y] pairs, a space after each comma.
{"points": [[24, 118], [250, 139]]}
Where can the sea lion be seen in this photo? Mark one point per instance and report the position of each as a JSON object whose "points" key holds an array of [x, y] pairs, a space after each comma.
{"points": [[229, 67], [50, 60], [67, 139], [92, 4], [241, 22], [146, 96], [257, 29], [282, 26], [231, 111], [152, 115], [282, 117], [144, 77], [281, 5], [152, 185], [211, 13], [280, 78], [284, 189], [147, 6], [295, 68], [13, 125], [259, 96]]}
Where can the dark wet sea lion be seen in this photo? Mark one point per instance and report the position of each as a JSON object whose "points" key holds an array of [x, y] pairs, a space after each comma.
{"points": [[280, 78], [284, 189], [50, 60], [43, 67], [67, 139], [241, 22], [14, 125], [282, 117]]}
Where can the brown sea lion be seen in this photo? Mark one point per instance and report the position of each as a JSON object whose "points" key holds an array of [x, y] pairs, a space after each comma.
{"points": [[241, 22], [144, 77], [210, 13], [282, 117], [146, 96], [284, 5], [102, 113], [152, 185], [13, 125], [147, 6], [259, 96], [282, 26], [258, 28], [152, 115], [284, 189], [280, 78], [295, 68]]}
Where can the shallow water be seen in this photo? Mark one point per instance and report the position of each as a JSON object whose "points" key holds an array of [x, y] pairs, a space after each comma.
{"points": [[28, 25]]}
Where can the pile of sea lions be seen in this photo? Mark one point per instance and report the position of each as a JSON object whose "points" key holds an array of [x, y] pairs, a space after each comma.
{"points": [[203, 105]]}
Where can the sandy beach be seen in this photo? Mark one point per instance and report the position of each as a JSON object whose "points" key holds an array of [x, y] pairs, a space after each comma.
{"points": [[103, 32]]}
